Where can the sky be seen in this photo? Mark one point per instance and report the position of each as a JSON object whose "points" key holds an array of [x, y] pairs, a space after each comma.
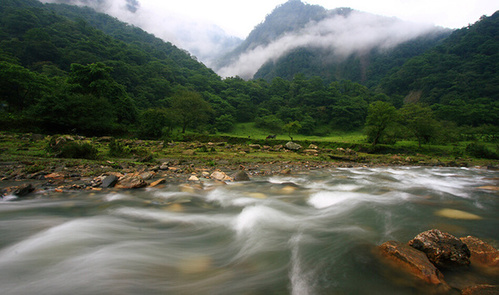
{"points": [[240, 17]]}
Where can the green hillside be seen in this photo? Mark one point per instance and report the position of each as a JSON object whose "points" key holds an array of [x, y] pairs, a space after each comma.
{"points": [[459, 78]]}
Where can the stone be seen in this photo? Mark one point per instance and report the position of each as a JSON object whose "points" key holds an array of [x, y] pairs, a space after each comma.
{"points": [[255, 146], [481, 252], [157, 182], [443, 249], [412, 262], [164, 166], [220, 176], [313, 146], [240, 176], [457, 214], [109, 181], [23, 190], [193, 178], [310, 151], [146, 175], [293, 146], [481, 290], [131, 182]]}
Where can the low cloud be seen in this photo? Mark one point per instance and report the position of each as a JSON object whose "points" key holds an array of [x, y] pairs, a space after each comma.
{"points": [[342, 35]]}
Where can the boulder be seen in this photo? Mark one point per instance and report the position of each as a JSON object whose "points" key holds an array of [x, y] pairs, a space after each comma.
{"points": [[130, 182], [412, 262], [293, 146], [240, 176], [481, 290], [109, 181], [23, 190], [220, 176], [443, 249], [481, 252]]}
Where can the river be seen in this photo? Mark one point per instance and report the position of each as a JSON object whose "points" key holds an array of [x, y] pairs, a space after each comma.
{"points": [[308, 233]]}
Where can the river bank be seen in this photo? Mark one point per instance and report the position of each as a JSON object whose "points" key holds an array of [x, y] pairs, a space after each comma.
{"points": [[36, 160]]}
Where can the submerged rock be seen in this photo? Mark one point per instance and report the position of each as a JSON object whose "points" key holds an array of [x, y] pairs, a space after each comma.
{"points": [[412, 262], [443, 250], [481, 252], [457, 214], [481, 290]]}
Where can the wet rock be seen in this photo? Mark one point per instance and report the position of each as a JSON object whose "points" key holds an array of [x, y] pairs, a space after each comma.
{"points": [[412, 262], [220, 176], [443, 249], [146, 175], [293, 146], [481, 290], [20, 191], [131, 182], [481, 252], [193, 178], [109, 181], [240, 176], [157, 182]]}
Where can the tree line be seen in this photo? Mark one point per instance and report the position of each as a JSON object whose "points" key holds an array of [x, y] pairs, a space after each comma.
{"points": [[61, 74]]}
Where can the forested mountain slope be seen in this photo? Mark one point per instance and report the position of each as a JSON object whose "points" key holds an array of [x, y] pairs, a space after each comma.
{"points": [[332, 44], [460, 77]]}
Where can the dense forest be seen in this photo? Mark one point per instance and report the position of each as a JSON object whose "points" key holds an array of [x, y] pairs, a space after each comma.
{"points": [[69, 69]]}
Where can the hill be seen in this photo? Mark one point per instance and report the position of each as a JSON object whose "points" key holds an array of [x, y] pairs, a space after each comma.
{"points": [[333, 44], [460, 77]]}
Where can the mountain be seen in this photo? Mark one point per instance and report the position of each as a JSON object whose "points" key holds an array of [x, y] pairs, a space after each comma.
{"points": [[65, 67], [334, 44], [206, 41], [459, 78]]}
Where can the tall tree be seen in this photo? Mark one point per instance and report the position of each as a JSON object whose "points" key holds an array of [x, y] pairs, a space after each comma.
{"points": [[379, 117], [189, 107]]}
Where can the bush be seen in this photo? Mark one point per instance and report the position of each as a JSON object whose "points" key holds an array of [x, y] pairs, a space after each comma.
{"points": [[118, 149], [78, 150], [479, 150]]}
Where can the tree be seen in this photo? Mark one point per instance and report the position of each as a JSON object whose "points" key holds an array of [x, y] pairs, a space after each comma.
{"points": [[153, 122], [420, 121], [379, 117], [292, 128], [189, 108]]}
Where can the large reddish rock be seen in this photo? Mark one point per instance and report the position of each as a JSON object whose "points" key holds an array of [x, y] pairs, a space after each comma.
{"points": [[442, 249], [481, 290], [481, 252], [413, 262]]}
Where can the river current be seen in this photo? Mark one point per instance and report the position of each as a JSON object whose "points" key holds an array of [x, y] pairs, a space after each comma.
{"points": [[309, 233]]}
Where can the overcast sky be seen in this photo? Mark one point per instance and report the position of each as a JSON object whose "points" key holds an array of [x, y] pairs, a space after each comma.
{"points": [[240, 17]]}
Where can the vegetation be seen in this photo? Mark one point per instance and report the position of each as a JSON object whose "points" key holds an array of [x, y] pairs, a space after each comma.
{"points": [[69, 70]]}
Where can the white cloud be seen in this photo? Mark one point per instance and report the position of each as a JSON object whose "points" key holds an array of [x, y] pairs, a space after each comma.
{"points": [[342, 35]]}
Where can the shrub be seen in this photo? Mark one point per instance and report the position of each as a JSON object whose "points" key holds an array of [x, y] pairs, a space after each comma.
{"points": [[479, 150], [118, 149], [78, 150]]}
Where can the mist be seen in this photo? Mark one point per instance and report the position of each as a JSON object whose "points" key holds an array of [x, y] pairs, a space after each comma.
{"points": [[203, 40], [341, 35]]}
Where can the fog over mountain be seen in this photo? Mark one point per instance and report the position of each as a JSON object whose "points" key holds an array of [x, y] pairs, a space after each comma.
{"points": [[205, 41], [342, 32]]}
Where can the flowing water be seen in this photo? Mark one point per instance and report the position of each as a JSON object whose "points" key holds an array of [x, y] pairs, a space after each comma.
{"points": [[310, 233]]}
